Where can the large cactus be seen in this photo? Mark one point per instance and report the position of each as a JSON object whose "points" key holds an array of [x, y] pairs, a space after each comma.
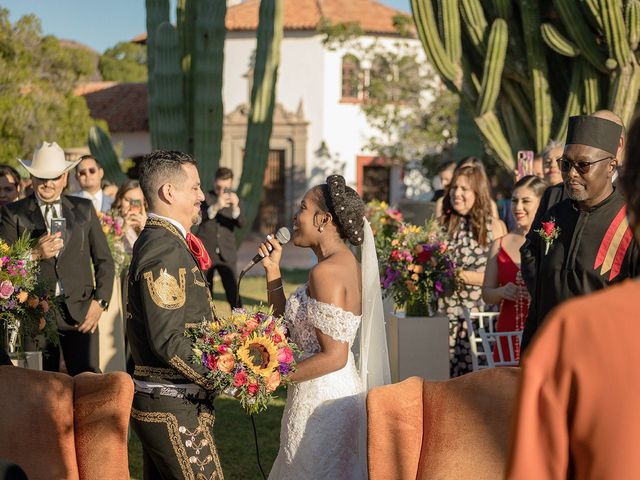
{"points": [[185, 79], [270, 32], [584, 57]]}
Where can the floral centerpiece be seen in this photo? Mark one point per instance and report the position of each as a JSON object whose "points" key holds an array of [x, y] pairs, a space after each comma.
{"points": [[26, 307], [247, 353], [385, 223], [419, 269], [113, 228]]}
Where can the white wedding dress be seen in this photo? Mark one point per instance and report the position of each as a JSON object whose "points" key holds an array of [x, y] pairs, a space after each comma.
{"points": [[320, 436]]}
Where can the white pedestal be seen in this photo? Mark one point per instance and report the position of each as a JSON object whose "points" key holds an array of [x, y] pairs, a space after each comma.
{"points": [[32, 360], [419, 346]]}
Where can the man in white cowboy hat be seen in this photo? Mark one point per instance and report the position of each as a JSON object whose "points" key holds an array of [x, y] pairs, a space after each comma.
{"points": [[66, 256]]}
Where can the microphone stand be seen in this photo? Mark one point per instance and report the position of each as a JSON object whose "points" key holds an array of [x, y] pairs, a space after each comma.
{"points": [[253, 422]]}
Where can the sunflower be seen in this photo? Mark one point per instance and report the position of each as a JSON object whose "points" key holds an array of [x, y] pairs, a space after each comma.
{"points": [[259, 353]]}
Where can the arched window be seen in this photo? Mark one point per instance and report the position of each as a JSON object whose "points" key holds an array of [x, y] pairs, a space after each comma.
{"points": [[351, 78]]}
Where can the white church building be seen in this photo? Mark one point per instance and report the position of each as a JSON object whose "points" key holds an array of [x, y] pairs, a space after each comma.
{"points": [[318, 125]]}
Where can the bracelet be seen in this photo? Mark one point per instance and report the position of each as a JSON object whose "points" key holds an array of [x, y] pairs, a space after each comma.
{"points": [[274, 289]]}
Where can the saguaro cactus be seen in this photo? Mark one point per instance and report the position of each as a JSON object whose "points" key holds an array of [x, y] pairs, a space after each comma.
{"points": [[185, 79], [521, 94], [270, 32], [101, 148]]}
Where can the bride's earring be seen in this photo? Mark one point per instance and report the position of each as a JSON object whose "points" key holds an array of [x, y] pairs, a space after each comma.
{"points": [[321, 229]]}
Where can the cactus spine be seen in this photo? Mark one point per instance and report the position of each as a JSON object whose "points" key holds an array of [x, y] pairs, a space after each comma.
{"points": [[270, 33], [101, 148]]}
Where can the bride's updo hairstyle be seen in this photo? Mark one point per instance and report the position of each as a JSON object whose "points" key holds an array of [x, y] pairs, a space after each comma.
{"points": [[345, 206]]}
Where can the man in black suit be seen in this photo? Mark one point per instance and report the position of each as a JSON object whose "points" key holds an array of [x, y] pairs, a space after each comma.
{"points": [[221, 215], [66, 257]]}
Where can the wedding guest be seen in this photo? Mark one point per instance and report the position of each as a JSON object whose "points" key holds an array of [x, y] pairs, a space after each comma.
{"points": [[503, 282], [130, 205], [464, 162], [538, 166], [10, 185], [470, 225], [89, 174], [445, 172], [76, 262], [556, 193], [168, 291], [577, 414], [585, 243]]}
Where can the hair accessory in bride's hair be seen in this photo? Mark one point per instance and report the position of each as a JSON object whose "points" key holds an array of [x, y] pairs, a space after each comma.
{"points": [[346, 207]]}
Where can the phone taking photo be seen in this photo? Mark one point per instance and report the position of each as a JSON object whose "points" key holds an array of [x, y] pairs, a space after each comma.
{"points": [[135, 205], [59, 225], [525, 163]]}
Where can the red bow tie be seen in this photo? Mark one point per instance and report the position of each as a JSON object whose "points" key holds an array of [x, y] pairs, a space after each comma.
{"points": [[197, 249]]}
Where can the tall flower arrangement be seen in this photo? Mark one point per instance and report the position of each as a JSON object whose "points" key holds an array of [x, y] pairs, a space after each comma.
{"points": [[248, 355], [113, 228], [385, 223], [419, 269], [26, 307]]}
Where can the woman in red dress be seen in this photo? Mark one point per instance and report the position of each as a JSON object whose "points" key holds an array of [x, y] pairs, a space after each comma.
{"points": [[503, 283]]}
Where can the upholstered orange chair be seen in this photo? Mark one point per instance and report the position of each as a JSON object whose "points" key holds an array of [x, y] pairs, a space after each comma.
{"points": [[448, 430], [57, 426]]}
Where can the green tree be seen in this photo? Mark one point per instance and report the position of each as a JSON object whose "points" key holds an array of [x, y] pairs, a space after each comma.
{"points": [[125, 62], [37, 78]]}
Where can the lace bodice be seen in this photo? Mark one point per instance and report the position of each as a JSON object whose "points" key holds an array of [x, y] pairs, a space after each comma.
{"points": [[304, 314]]}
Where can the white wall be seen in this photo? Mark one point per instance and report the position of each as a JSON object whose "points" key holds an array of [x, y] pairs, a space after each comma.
{"points": [[133, 144]]}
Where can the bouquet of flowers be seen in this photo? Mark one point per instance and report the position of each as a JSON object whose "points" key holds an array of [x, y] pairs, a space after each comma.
{"points": [[112, 226], [26, 308], [419, 269], [247, 353], [385, 223]]}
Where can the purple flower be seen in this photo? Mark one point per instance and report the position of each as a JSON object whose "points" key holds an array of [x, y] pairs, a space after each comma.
{"points": [[438, 286], [11, 304], [284, 369]]}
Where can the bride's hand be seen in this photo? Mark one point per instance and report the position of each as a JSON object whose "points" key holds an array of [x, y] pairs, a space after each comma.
{"points": [[271, 251]]}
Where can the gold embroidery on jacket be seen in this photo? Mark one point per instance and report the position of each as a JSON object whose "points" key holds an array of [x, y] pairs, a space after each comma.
{"points": [[206, 420], [198, 273], [159, 372], [184, 368], [165, 291]]}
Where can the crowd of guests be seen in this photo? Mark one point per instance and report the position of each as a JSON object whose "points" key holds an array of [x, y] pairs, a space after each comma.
{"points": [[78, 264]]}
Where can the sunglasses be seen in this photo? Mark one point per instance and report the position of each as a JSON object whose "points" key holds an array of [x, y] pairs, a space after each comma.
{"points": [[581, 167], [88, 171]]}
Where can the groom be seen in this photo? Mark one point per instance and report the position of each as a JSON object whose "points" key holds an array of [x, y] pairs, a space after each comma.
{"points": [[173, 404]]}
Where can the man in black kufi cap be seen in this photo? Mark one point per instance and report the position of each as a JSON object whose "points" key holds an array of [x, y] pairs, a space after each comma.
{"points": [[583, 243]]}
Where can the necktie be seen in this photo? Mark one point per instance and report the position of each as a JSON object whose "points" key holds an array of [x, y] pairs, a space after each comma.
{"points": [[50, 211], [199, 252]]}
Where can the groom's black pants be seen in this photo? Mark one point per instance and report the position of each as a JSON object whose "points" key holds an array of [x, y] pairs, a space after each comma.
{"points": [[177, 437]]}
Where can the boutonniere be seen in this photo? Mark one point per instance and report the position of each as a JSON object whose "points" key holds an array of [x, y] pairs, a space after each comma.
{"points": [[549, 232]]}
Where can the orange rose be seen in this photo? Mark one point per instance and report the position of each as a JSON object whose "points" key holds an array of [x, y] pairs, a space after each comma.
{"points": [[418, 269], [273, 381], [22, 296], [252, 324], [42, 323], [226, 362], [228, 338], [33, 302]]}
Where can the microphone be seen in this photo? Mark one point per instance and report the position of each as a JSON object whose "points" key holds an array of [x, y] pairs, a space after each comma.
{"points": [[283, 235]]}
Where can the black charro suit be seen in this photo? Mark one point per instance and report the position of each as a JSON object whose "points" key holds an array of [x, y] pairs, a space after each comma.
{"points": [[167, 292], [84, 245], [217, 235]]}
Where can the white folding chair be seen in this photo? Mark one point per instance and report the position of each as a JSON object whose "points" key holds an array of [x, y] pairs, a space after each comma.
{"points": [[494, 339], [485, 321]]}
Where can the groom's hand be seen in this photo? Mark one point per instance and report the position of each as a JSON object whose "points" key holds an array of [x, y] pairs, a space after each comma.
{"points": [[271, 252]]}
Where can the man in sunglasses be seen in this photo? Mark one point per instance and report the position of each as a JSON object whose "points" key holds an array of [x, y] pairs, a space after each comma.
{"points": [[74, 261], [583, 243], [89, 174]]}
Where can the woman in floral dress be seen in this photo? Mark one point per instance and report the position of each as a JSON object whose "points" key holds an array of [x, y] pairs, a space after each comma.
{"points": [[471, 227]]}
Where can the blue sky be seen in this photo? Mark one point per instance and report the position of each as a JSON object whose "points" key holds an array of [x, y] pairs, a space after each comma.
{"points": [[98, 23]]}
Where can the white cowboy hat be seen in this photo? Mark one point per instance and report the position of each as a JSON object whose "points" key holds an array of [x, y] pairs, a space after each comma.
{"points": [[48, 162]]}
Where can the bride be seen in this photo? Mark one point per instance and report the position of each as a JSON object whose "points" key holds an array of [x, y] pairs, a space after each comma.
{"points": [[336, 318]]}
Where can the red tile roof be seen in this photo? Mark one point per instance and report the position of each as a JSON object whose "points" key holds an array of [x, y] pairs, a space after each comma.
{"points": [[372, 16], [122, 105]]}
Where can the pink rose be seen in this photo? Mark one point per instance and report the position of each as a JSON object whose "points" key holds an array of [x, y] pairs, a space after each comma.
{"points": [[240, 378], [253, 388], [548, 227], [222, 348], [6, 289], [285, 355]]}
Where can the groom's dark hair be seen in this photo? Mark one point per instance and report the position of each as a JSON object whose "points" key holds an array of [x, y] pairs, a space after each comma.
{"points": [[160, 167]]}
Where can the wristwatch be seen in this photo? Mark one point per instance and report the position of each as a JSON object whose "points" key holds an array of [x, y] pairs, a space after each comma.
{"points": [[104, 305]]}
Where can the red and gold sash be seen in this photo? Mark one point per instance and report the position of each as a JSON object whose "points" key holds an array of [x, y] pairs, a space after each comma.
{"points": [[614, 245]]}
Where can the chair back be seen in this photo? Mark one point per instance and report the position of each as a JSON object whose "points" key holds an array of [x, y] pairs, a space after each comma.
{"points": [[475, 322], [505, 348]]}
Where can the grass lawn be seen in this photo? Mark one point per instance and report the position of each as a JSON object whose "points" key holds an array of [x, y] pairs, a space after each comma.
{"points": [[232, 430]]}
